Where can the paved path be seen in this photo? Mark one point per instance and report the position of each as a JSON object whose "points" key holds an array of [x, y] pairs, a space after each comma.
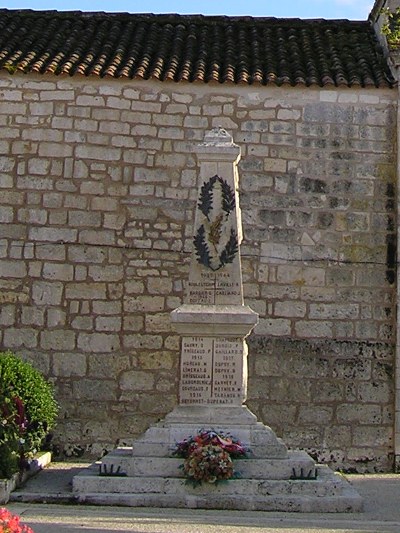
{"points": [[381, 495]]}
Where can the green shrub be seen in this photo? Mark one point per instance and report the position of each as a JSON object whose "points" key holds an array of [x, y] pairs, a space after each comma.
{"points": [[391, 28], [28, 411]]}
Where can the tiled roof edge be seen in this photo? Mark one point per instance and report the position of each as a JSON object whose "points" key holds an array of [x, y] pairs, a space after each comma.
{"points": [[194, 48], [195, 17]]}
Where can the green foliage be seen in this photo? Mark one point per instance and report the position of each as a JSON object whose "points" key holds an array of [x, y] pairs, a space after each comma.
{"points": [[28, 411], [391, 28], [9, 438]]}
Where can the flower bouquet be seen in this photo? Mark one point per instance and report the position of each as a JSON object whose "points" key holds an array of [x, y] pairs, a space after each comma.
{"points": [[208, 456], [11, 523]]}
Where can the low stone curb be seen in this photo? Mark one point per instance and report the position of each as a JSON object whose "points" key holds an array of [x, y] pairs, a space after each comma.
{"points": [[7, 486]]}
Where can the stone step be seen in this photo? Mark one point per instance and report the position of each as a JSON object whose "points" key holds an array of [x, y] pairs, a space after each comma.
{"points": [[329, 493], [348, 503], [160, 439], [327, 484], [155, 449], [298, 464]]}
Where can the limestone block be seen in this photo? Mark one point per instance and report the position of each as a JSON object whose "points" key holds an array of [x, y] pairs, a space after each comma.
{"points": [[47, 293], [54, 149], [87, 101], [88, 389], [150, 304], [104, 203], [150, 107], [83, 323], [290, 309], [98, 342], [363, 435], [359, 414], [334, 311], [32, 216], [350, 369], [29, 315], [57, 219], [7, 315], [379, 392], [136, 380], [314, 328], [315, 415], [103, 365], [327, 112], [158, 360], [106, 307], [142, 341], [13, 269], [273, 326], [69, 364], [114, 127], [117, 103], [6, 182], [86, 291], [57, 340], [114, 221], [106, 273], [6, 164], [85, 218], [157, 323], [20, 337], [62, 272], [56, 317], [99, 237], [62, 123], [108, 323], [53, 234], [86, 254], [12, 108], [98, 153]]}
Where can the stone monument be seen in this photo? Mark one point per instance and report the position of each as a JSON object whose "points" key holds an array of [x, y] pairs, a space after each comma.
{"points": [[214, 323]]}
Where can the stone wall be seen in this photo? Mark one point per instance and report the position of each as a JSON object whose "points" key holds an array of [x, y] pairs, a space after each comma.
{"points": [[98, 187]]}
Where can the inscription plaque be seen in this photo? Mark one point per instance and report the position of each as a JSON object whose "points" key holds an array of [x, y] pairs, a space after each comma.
{"points": [[214, 288], [212, 370]]}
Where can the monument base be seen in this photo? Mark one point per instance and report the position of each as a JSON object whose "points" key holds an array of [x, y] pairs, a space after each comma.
{"points": [[271, 479]]}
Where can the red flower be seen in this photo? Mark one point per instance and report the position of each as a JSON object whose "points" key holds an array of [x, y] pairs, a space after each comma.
{"points": [[208, 456], [11, 523], [20, 419]]}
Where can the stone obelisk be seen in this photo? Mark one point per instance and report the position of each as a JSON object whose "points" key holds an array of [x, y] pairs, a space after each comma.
{"points": [[214, 323]]}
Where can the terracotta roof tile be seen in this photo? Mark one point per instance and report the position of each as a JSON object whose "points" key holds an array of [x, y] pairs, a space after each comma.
{"points": [[193, 48]]}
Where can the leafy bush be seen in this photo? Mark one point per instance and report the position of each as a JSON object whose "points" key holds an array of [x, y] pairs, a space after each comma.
{"points": [[28, 411], [391, 28]]}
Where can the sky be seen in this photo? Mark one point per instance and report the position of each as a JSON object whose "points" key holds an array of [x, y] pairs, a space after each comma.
{"points": [[329, 9]]}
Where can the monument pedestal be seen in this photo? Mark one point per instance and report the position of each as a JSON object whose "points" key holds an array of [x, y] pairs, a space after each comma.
{"points": [[212, 387], [214, 323], [271, 479]]}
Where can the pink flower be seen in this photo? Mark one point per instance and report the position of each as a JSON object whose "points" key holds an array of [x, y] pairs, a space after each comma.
{"points": [[10, 523]]}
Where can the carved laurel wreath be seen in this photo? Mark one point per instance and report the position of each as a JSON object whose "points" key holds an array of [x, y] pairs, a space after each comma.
{"points": [[203, 238]]}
